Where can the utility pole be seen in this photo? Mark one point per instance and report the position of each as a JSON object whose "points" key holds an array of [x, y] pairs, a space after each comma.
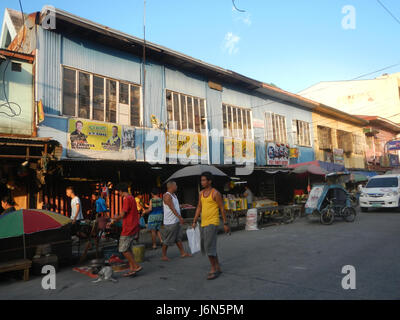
{"points": [[144, 81]]}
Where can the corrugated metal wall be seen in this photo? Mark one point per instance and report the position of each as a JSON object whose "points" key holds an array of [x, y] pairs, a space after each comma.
{"points": [[55, 50], [49, 71]]}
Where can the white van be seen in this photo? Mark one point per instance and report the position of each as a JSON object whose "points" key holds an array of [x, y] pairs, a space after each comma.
{"points": [[381, 192]]}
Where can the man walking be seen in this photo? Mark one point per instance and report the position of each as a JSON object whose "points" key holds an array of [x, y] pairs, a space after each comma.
{"points": [[209, 206], [76, 211], [173, 222], [130, 228]]}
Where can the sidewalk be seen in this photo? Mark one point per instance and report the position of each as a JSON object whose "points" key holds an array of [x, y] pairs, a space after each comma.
{"points": [[144, 239]]}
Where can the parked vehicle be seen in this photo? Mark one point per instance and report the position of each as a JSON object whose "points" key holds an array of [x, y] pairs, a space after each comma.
{"points": [[327, 201], [381, 191]]}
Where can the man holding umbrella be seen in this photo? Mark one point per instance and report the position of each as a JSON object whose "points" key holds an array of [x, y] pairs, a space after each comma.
{"points": [[209, 206]]}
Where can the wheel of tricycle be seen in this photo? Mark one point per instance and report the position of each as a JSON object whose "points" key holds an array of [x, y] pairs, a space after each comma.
{"points": [[327, 216], [363, 209], [349, 214]]}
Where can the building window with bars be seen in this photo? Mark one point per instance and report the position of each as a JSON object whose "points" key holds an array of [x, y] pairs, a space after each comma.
{"points": [[186, 112], [359, 144], [301, 133], [89, 96], [237, 122], [345, 141], [324, 138], [275, 128]]}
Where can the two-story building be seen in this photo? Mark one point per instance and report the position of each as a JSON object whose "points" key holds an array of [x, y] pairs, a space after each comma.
{"points": [[119, 116]]}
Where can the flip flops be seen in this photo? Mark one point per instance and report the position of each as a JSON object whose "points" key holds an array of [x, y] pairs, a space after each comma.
{"points": [[129, 274], [132, 273], [214, 275]]}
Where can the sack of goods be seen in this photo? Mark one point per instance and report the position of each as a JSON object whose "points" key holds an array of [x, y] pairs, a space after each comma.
{"points": [[251, 220]]}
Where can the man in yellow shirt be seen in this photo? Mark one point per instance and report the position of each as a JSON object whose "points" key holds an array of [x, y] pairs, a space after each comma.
{"points": [[209, 206]]}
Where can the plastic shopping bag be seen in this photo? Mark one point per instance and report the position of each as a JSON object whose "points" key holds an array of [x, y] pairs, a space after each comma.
{"points": [[193, 236]]}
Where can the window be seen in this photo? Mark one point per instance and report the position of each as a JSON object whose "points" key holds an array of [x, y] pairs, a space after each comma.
{"points": [[84, 96], [236, 122], [345, 141], [111, 101], [69, 92], [301, 133], [185, 112], [275, 128], [324, 138], [98, 98], [383, 183], [90, 96], [135, 106], [359, 143]]}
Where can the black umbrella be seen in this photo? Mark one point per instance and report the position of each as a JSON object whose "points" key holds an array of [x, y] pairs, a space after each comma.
{"points": [[196, 171]]}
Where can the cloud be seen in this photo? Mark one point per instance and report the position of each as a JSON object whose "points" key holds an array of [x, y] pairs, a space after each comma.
{"points": [[230, 43], [243, 17]]}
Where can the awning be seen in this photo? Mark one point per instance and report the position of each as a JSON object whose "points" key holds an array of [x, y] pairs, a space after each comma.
{"points": [[276, 171], [324, 167]]}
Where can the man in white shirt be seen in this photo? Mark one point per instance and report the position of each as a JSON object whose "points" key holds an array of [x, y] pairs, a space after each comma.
{"points": [[173, 222], [249, 195], [76, 210]]}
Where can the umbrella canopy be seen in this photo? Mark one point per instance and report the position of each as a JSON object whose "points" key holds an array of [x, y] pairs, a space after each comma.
{"points": [[310, 168], [21, 222], [193, 171], [358, 177]]}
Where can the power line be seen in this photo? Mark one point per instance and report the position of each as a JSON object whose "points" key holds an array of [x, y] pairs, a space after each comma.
{"points": [[383, 69], [8, 104], [388, 11], [236, 8]]}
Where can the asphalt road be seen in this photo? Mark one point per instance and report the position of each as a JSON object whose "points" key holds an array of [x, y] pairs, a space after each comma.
{"points": [[302, 260]]}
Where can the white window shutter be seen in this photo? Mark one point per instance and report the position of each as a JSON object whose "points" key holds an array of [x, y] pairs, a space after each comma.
{"points": [[268, 126], [294, 132]]}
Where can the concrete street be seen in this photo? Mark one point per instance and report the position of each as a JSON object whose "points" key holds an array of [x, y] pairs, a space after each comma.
{"points": [[302, 260]]}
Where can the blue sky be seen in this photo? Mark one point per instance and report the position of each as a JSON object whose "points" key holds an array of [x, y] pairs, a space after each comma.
{"points": [[291, 43]]}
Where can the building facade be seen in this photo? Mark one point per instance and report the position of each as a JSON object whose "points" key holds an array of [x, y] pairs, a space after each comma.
{"points": [[339, 138], [102, 101], [382, 136], [361, 96]]}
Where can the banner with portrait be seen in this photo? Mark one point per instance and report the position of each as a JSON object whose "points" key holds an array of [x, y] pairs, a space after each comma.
{"points": [[99, 140], [186, 146], [238, 151]]}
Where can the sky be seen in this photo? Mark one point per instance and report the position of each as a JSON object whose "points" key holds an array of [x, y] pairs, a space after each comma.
{"points": [[290, 43]]}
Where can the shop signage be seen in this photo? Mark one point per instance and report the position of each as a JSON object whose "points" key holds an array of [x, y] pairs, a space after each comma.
{"points": [[393, 145], [338, 156], [277, 154], [238, 151], [99, 140], [293, 153], [187, 146]]}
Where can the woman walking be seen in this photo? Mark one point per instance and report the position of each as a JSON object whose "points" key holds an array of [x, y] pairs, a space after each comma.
{"points": [[155, 212]]}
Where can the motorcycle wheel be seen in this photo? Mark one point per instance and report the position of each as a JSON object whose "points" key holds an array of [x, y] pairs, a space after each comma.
{"points": [[349, 214], [327, 216]]}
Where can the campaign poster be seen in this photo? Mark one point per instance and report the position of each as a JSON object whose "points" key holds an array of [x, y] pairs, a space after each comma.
{"points": [[98, 140]]}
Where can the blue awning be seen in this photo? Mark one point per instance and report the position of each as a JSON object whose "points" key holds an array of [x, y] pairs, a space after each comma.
{"points": [[366, 173]]}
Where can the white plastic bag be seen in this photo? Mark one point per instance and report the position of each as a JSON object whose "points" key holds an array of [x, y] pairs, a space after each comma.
{"points": [[193, 236]]}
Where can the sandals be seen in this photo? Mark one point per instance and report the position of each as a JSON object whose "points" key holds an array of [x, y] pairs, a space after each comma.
{"points": [[214, 275], [132, 273], [129, 274]]}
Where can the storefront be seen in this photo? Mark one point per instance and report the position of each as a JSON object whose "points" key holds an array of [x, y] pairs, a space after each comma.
{"points": [[24, 164]]}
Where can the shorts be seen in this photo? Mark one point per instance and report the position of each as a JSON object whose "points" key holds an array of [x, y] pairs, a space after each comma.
{"points": [[75, 228], [126, 243], [209, 240], [172, 234]]}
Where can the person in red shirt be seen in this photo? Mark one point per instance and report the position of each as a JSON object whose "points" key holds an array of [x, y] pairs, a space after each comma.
{"points": [[130, 228]]}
